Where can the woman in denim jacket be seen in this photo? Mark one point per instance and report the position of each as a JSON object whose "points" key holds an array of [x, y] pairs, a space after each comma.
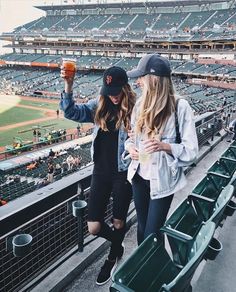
{"points": [[111, 113], [156, 171]]}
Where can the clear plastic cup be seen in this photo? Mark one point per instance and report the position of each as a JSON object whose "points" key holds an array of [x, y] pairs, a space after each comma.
{"points": [[144, 157], [69, 66]]}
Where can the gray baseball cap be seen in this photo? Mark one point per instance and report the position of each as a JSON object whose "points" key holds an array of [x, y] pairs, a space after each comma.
{"points": [[153, 64]]}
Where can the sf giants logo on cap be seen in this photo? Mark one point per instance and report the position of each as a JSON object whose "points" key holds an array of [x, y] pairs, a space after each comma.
{"points": [[108, 79]]}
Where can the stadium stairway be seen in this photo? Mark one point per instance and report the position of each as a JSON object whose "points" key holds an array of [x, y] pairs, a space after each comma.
{"points": [[71, 276]]}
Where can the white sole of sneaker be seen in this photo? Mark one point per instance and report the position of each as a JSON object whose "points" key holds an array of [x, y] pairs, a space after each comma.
{"points": [[111, 273]]}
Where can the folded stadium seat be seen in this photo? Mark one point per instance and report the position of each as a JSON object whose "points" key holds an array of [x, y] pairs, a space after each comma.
{"points": [[229, 164], [230, 153], [233, 148], [223, 167], [151, 269], [185, 222], [207, 188], [211, 185]]}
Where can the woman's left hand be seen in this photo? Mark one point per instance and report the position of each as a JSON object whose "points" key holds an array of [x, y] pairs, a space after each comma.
{"points": [[154, 145]]}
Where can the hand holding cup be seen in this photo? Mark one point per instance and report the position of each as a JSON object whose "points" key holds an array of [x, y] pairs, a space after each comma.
{"points": [[68, 69]]}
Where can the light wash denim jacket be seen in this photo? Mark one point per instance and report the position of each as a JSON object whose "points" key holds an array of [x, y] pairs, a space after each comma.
{"points": [[167, 175], [84, 113]]}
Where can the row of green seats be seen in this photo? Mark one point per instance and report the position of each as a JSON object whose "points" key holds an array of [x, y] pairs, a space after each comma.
{"points": [[151, 269], [207, 202], [189, 230]]}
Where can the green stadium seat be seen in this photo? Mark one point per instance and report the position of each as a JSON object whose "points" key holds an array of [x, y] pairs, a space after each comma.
{"points": [[223, 167], [229, 164], [211, 185], [151, 269], [230, 153], [214, 210], [183, 225]]}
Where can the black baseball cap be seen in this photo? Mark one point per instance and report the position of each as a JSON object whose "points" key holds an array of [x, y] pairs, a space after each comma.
{"points": [[153, 64], [114, 78]]}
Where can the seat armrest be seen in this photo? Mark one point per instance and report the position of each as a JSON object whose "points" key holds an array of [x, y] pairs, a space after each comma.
{"points": [[176, 234], [218, 174], [202, 198]]}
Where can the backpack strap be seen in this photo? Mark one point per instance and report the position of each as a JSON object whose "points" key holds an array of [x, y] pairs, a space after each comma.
{"points": [[178, 137]]}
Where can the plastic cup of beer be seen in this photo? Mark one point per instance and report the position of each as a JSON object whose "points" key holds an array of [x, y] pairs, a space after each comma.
{"points": [[69, 66], [143, 155]]}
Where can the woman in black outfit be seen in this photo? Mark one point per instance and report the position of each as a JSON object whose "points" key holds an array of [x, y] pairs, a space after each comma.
{"points": [[110, 113]]}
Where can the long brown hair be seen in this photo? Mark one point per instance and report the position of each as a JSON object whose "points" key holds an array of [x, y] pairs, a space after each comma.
{"points": [[103, 114], [157, 103]]}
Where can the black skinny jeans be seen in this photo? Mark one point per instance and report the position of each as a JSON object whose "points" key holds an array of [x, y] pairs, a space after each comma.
{"points": [[151, 214], [102, 188]]}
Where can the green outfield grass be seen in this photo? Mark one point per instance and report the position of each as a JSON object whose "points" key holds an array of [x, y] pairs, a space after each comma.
{"points": [[6, 137], [13, 115], [17, 115], [40, 104]]}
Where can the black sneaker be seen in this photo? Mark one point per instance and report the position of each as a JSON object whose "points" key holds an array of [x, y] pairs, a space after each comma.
{"points": [[106, 272]]}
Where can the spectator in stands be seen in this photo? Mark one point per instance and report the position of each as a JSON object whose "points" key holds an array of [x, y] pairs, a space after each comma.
{"points": [[77, 161], [49, 138], [50, 172], [42, 183], [35, 135], [78, 131], [58, 169], [32, 165], [158, 153], [2, 202], [70, 162], [64, 134], [51, 153], [224, 102], [40, 160], [110, 113], [63, 166]]}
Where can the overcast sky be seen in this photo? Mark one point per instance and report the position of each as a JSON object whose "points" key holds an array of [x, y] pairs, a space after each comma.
{"points": [[17, 12], [14, 13]]}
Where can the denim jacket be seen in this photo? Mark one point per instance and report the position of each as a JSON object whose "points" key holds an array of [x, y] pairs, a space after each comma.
{"points": [[167, 175], [84, 113]]}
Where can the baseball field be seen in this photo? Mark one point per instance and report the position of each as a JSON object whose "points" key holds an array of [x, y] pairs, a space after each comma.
{"points": [[19, 116]]}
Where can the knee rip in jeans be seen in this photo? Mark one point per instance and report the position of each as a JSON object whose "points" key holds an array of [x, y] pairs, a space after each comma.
{"points": [[94, 227], [118, 224]]}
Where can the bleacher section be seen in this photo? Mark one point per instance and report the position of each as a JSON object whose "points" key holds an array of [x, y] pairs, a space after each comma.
{"points": [[18, 180], [29, 81], [174, 25]]}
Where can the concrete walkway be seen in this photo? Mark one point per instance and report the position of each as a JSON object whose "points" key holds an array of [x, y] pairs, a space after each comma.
{"points": [[217, 276]]}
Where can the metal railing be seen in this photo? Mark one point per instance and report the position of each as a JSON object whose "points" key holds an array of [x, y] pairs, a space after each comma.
{"points": [[54, 232]]}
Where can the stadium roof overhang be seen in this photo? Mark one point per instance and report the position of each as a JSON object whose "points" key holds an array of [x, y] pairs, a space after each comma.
{"points": [[128, 4]]}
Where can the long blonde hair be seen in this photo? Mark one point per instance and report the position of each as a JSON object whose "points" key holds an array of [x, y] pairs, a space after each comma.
{"points": [[103, 114], [157, 103]]}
